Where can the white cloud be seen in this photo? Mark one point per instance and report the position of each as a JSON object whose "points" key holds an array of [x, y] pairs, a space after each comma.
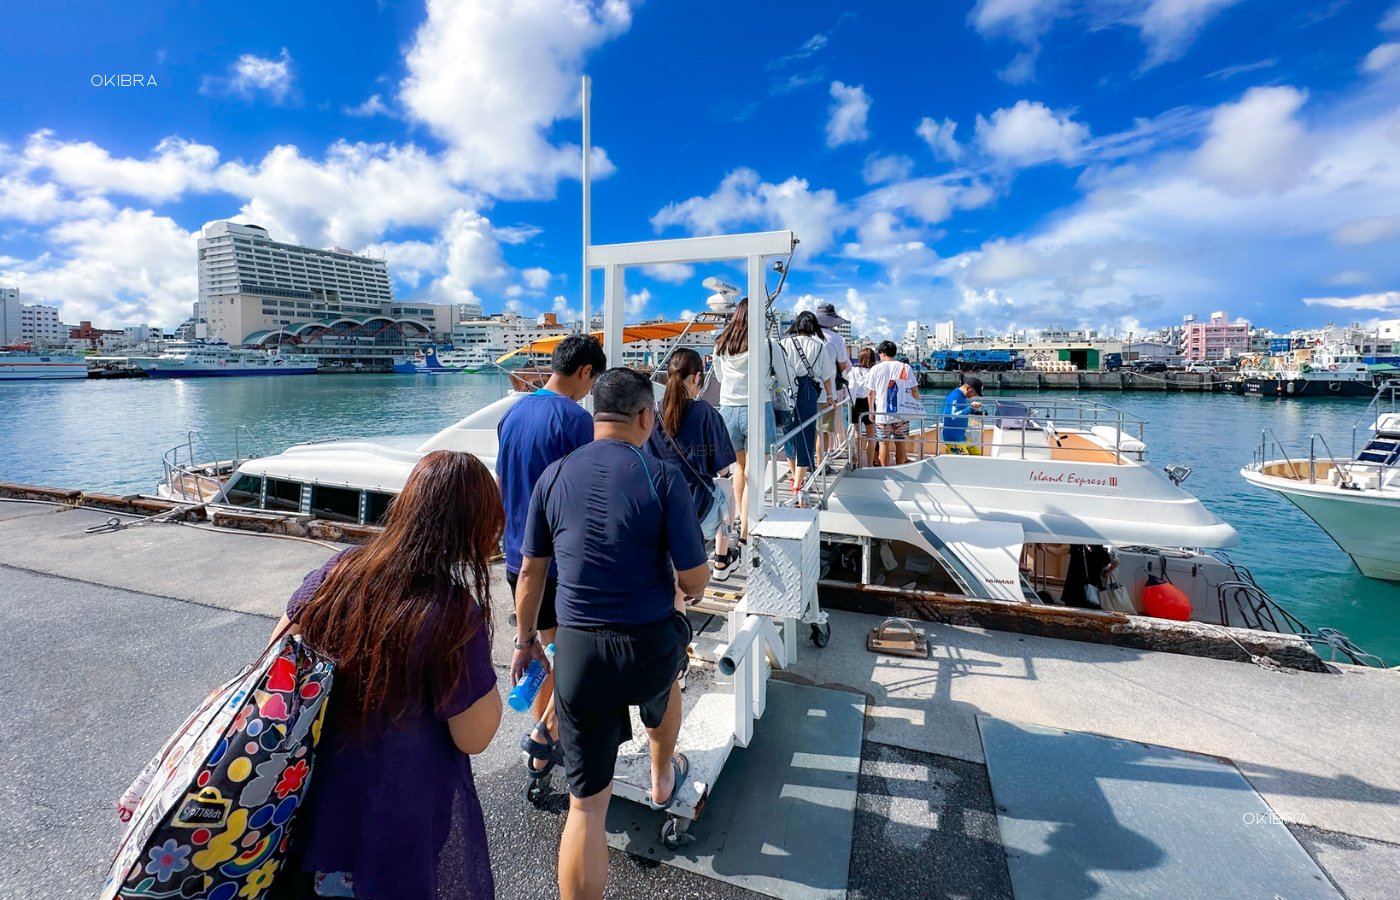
{"points": [[939, 137], [135, 266], [809, 46], [374, 106], [674, 273], [879, 169], [565, 312], [1030, 133], [536, 278], [1350, 276], [517, 234], [636, 303], [742, 198], [491, 77], [1257, 144], [848, 111], [251, 76], [1167, 27], [1386, 301], [177, 166], [1391, 20], [1367, 230], [1382, 58]]}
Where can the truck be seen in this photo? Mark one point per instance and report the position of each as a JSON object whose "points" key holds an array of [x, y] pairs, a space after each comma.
{"points": [[975, 361]]}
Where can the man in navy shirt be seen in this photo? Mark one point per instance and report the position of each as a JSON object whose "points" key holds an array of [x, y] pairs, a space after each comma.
{"points": [[539, 429], [621, 525]]}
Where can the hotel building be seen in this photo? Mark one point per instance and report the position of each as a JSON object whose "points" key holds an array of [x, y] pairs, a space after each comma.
{"points": [[256, 291]]}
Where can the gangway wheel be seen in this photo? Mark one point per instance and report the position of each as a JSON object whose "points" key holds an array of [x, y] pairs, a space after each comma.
{"points": [[673, 832], [821, 634], [538, 790]]}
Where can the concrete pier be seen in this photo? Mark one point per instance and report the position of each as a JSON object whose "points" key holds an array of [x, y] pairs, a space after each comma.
{"points": [[112, 637], [1034, 380]]}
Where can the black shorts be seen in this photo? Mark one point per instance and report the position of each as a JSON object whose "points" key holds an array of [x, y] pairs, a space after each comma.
{"points": [[858, 408], [548, 618], [600, 672]]}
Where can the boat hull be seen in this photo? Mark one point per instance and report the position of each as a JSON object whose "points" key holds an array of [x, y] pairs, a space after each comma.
{"points": [[42, 371], [1366, 527], [1289, 388], [157, 372]]}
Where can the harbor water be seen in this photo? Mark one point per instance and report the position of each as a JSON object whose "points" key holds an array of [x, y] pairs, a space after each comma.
{"points": [[110, 436]]}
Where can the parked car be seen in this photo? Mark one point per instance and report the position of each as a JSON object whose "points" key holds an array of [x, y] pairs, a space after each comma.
{"points": [[1149, 365], [1201, 368]]}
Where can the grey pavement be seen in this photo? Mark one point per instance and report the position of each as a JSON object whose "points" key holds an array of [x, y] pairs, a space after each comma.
{"points": [[96, 678], [101, 664]]}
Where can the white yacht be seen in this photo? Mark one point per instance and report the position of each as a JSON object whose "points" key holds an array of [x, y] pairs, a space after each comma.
{"points": [[1054, 480], [201, 359], [1355, 500], [25, 365]]}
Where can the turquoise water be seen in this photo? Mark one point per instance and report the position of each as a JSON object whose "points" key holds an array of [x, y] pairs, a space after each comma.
{"points": [[110, 436]]}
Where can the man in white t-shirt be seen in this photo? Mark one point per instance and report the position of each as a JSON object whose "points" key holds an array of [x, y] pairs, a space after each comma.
{"points": [[831, 420], [894, 391]]}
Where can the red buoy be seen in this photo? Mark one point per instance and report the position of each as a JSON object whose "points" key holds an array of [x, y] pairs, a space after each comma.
{"points": [[1165, 601]]}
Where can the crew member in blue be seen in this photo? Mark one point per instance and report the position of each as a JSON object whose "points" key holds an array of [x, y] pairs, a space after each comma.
{"points": [[539, 429], [960, 401], [623, 529]]}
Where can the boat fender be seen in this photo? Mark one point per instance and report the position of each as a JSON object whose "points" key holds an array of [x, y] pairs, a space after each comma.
{"points": [[1336, 386], [1290, 387], [1165, 601]]}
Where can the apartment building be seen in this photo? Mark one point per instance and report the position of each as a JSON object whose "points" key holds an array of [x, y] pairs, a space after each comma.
{"points": [[1217, 339]]}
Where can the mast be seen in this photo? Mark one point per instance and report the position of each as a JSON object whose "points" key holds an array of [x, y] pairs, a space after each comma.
{"points": [[587, 201]]}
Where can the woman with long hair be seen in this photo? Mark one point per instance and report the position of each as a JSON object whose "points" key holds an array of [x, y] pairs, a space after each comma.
{"points": [[732, 370], [692, 435], [860, 391], [814, 369], [407, 619]]}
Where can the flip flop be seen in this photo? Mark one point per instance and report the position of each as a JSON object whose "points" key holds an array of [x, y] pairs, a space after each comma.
{"points": [[681, 765]]}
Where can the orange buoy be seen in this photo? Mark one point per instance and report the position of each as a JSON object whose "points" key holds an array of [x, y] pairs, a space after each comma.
{"points": [[1165, 601]]}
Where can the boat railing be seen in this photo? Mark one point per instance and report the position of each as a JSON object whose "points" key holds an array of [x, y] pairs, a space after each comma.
{"points": [[193, 472], [1386, 396], [1015, 419], [1253, 608]]}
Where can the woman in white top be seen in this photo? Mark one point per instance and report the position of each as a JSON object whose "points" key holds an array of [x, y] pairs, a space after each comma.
{"points": [[860, 392], [732, 369], [813, 370]]}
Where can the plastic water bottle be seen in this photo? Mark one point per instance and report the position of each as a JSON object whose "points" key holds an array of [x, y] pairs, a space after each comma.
{"points": [[525, 692]]}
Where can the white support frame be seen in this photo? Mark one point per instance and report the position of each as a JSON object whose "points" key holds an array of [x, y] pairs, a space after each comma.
{"points": [[754, 650], [757, 248]]}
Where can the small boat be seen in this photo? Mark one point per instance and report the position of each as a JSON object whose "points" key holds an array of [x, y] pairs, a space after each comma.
{"points": [[22, 364], [1356, 500], [466, 360], [532, 375], [1328, 370], [216, 359]]}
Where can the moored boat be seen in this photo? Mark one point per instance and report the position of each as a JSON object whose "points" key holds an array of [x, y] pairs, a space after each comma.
{"points": [[27, 365], [1356, 499], [201, 359]]}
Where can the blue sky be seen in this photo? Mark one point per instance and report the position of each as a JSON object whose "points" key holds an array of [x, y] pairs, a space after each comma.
{"points": [[1005, 163]]}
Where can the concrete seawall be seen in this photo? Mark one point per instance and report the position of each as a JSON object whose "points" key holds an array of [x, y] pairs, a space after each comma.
{"points": [[1034, 380]]}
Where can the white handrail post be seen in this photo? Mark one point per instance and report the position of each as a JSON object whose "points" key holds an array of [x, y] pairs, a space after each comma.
{"points": [[614, 300], [758, 364], [587, 208], [743, 706]]}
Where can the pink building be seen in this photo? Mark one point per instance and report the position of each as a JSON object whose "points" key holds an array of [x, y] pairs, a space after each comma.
{"points": [[1217, 339]]}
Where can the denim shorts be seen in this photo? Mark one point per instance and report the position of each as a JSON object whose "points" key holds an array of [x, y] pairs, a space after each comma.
{"points": [[719, 510], [736, 422]]}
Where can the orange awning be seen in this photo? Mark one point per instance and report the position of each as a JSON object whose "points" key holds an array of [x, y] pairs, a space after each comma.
{"points": [[659, 331]]}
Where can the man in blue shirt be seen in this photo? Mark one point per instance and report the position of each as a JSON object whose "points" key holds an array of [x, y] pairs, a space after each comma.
{"points": [[960, 401], [539, 429], [622, 527]]}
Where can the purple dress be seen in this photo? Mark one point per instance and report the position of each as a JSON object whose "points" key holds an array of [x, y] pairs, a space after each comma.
{"points": [[397, 808]]}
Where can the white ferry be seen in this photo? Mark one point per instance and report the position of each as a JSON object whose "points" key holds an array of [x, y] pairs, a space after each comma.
{"points": [[200, 359], [25, 365], [466, 360]]}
